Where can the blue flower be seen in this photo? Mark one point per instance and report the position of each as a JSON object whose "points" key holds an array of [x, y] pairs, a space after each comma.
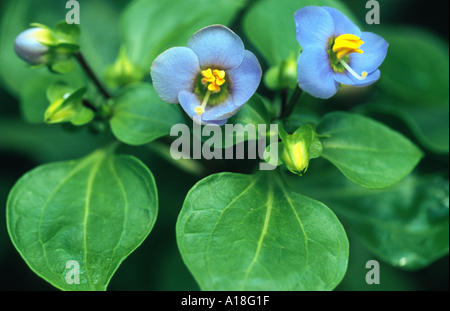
{"points": [[335, 51], [212, 78]]}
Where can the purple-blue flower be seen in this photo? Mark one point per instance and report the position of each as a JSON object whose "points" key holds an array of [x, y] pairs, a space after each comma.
{"points": [[335, 51], [212, 78]]}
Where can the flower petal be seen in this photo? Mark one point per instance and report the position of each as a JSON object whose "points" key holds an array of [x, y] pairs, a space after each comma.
{"points": [[245, 79], [189, 101], [173, 71], [217, 46], [342, 24], [314, 25], [27, 46], [348, 79], [315, 74], [213, 122], [375, 50]]}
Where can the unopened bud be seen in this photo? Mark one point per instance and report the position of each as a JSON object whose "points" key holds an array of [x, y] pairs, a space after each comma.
{"points": [[297, 158], [29, 45]]}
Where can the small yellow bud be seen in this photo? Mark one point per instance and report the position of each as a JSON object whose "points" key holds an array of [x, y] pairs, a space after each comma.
{"points": [[297, 158]]}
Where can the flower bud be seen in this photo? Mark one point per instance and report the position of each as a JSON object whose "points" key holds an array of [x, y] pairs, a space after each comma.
{"points": [[66, 105], [54, 48], [297, 158], [283, 75], [299, 148], [123, 71], [29, 45]]}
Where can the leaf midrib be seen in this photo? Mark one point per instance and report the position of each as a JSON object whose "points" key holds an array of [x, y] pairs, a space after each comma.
{"points": [[89, 186], [263, 233]]}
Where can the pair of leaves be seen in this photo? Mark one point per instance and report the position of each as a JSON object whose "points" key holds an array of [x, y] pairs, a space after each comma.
{"points": [[95, 211], [254, 234]]}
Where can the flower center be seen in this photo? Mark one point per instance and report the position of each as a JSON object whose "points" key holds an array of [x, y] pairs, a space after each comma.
{"points": [[214, 79], [343, 46]]}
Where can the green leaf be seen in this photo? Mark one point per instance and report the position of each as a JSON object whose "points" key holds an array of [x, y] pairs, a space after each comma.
{"points": [[247, 232], [150, 27], [367, 152], [419, 76], [140, 116], [69, 31], [57, 90], [63, 67], [406, 225], [96, 210], [270, 26], [428, 124]]}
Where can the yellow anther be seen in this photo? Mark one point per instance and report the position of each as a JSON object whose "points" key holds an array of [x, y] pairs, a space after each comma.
{"points": [[215, 78], [347, 44], [344, 52], [213, 87], [208, 76]]}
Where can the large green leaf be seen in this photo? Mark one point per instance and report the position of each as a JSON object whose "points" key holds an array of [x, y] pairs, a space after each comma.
{"points": [[414, 81], [149, 27], [140, 116], [406, 225], [369, 153], [270, 26], [247, 232], [95, 211], [428, 124], [416, 68]]}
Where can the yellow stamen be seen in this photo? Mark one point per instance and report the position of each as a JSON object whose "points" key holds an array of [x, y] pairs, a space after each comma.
{"points": [[208, 76], [215, 78], [347, 44], [214, 87], [344, 52], [220, 75]]}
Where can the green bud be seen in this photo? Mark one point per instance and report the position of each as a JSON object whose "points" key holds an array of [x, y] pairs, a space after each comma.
{"points": [[66, 105], [283, 75], [299, 148], [297, 157], [123, 71]]}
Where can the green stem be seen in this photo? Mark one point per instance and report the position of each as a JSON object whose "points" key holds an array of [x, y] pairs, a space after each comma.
{"points": [[88, 104], [292, 103], [82, 61]]}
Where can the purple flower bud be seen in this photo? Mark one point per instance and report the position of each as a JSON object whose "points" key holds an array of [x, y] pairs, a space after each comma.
{"points": [[28, 45]]}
